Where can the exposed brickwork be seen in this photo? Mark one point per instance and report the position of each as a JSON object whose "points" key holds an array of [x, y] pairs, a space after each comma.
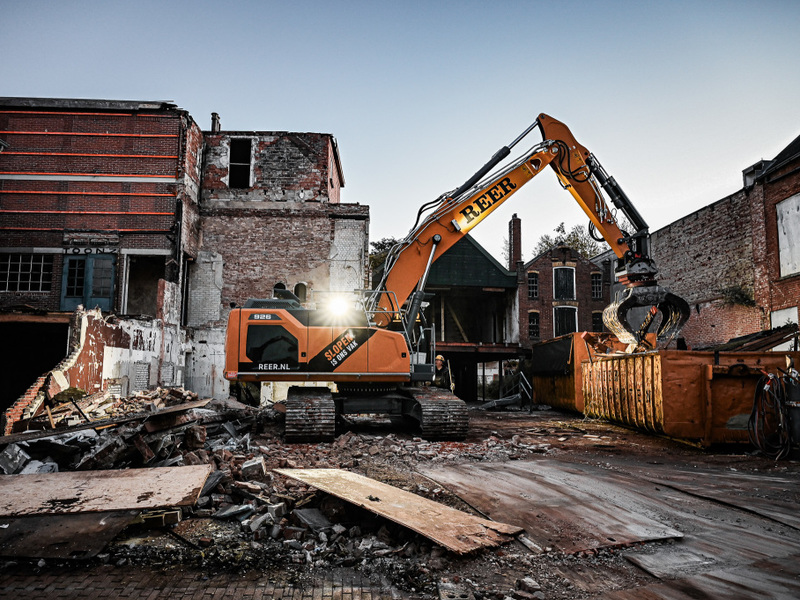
{"points": [[83, 168], [776, 186], [545, 303]]}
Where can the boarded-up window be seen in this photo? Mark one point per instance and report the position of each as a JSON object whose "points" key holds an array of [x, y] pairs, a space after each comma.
{"points": [[789, 235], [564, 283], [565, 320]]}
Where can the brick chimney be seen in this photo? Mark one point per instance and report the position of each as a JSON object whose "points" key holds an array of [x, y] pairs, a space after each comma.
{"points": [[514, 242]]}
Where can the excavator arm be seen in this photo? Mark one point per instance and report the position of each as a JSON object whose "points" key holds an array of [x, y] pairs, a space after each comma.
{"points": [[444, 221]]}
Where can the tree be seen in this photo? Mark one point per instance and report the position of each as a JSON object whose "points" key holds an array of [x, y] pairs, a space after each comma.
{"points": [[380, 250], [577, 238]]}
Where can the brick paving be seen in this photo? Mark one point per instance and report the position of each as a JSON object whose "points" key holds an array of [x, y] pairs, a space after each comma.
{"points": [[138, 583]]}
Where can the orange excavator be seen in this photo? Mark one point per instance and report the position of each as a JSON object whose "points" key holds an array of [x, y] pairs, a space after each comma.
{"points": [[378, 350]]}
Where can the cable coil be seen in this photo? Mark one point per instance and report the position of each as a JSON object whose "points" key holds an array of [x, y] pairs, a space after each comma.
{"points": [[768, 426]]}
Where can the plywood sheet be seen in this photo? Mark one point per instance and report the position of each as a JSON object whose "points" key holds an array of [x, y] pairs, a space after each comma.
{"points": [[61, 536], [73, 492], [455, 530], [566, 507]]}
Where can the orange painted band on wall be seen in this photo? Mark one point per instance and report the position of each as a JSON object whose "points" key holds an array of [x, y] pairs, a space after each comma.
{"points": [[85, 193], [62, 229], [90, 154], [83, 212], [80, 174], [143, 135]]}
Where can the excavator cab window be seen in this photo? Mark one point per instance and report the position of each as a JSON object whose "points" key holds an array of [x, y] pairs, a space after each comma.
{"points": [[271, 348]]}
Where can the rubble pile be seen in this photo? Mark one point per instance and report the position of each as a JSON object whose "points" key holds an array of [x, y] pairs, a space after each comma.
{"points": [[72, 407], [247, 516]]}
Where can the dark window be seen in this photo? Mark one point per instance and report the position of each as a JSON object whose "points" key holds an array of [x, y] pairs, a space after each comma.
{"points": [[597, 322], [597, 287], [533, 286], [301, 291], [239, 165], [102, 281], [564, 283], [271, 345], [26, 272], [533, 326], [76, 277], [565, 320]]}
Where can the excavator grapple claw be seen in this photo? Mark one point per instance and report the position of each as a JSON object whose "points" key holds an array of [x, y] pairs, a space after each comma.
{"points": [[674, 314]]}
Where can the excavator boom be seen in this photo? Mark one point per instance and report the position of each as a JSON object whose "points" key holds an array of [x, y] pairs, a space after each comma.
{"points": [[454, 214]]}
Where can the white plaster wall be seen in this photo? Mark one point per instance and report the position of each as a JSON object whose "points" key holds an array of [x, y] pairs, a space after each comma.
{"points": [[204, 374]]}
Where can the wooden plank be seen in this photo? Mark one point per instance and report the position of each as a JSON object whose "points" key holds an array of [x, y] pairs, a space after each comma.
{"points": [[61, 536], [566, 507], [455, 530], [71, 492]]}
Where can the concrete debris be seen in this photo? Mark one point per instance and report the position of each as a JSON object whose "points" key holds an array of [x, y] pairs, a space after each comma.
{"points": [[244, 515]]}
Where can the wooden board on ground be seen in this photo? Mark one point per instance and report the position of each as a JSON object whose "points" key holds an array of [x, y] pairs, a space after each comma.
{"points": [[61, 536], [71, 492], [455, 530], [559, 505]]}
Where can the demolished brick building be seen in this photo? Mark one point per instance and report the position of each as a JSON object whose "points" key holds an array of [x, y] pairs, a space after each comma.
{"points": [[101, 207]]}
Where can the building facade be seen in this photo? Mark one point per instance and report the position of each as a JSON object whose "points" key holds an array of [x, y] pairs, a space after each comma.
{"points": [[559, 291], [271, 218], [98, 208], [127, 212]]}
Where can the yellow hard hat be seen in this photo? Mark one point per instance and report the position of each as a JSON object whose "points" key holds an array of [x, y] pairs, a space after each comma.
{"points": [[439, 357]]}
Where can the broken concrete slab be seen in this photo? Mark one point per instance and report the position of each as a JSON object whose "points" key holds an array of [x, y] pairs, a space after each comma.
{"points": [[95, 491], [453, 529]]}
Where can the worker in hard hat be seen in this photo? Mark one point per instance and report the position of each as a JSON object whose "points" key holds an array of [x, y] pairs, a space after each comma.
{"points": [[441, 376]]}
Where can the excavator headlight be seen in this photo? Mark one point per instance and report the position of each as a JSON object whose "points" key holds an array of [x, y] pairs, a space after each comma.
{"points": [[338, 306]]}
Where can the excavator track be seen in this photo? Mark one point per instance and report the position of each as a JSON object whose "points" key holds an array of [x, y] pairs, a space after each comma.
{"points": [[441, 415], [310, 415]]}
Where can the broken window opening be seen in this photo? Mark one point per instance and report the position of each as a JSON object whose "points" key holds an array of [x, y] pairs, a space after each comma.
{"points": [[26, 272], [143, 275], [239, 164], [533, 326], [301, 291]]}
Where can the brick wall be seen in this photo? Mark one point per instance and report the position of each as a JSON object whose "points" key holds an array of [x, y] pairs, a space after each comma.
{"points": [[545, 303], [79, 170], [776, 292]]}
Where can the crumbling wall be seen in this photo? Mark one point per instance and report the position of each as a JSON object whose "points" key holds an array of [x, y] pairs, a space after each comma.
{"points": [[118, 357]]}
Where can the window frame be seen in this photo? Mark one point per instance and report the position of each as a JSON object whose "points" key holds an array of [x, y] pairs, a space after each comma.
{"points": [[555, 285], [39, 268], [533, 275]]}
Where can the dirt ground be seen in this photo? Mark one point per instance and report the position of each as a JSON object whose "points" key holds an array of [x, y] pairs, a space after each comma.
{"points": [[408, 561]]}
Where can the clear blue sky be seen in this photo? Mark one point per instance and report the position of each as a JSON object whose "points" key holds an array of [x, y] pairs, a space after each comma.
{"points": [[674, 98]]}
